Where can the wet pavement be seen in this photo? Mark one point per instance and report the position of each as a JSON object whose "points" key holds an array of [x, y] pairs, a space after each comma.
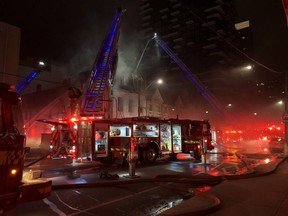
{"points": [[221, 166], [262, 190]]}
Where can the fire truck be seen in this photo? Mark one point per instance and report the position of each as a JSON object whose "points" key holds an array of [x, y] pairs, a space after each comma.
{"points": [[16, 185], [149, 138], [233, 136]]}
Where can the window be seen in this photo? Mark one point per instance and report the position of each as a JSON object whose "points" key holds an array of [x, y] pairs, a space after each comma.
{"points": [[120, 104], [130, 106], [150, 107], [159, 108]]}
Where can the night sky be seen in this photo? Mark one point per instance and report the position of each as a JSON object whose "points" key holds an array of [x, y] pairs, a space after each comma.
{"points": [[270, 33], [61, 29]]}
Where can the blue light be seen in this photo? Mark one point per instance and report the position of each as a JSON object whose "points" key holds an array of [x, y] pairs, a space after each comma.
{"points": [[24, 83]]}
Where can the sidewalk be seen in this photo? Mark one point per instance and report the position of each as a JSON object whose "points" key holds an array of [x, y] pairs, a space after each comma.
{"points": [[262, 192]]}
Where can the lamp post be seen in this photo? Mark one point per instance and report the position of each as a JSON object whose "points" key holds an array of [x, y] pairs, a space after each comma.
{"points": [[158, 81]]}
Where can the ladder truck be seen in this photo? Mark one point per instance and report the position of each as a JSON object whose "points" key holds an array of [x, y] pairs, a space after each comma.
{"points": [[95, 128], [92, 104]]}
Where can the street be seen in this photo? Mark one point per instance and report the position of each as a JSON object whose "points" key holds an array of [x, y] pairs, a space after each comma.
{"points": [[152, 190]]}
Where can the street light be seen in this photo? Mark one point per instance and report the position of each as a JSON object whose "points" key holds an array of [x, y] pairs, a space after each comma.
{"points": [[248, 67], [158, 81]]}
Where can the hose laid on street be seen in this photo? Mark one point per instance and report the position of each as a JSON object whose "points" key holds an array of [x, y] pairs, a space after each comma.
{"points": [[194, 180], [36, 161]]}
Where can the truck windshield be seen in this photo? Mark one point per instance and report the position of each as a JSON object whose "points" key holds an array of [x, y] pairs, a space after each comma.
{"points": [[18, 119]]}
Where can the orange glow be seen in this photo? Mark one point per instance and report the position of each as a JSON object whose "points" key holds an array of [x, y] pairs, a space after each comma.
{"points": [[73, 119], [233, 131], [267, 160], [13, 171]]}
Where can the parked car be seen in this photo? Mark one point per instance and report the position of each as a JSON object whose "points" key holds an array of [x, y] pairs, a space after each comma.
{"points": [[276, 145]]}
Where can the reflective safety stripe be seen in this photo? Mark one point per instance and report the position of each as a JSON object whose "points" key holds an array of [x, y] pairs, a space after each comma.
{"points": [[11, 157], [119, 149]]}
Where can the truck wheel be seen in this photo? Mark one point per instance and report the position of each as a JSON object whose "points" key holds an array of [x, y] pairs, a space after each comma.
{"points": [[150, 155]]}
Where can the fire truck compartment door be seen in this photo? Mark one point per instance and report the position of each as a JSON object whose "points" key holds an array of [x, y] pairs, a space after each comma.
{"points": [[176, 134], [101, 140]]}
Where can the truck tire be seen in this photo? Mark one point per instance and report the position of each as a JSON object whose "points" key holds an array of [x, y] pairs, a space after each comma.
{"points": [[150, 155]]}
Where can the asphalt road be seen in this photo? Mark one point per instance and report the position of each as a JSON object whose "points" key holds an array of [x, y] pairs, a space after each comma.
{"points": [[141, 198]]}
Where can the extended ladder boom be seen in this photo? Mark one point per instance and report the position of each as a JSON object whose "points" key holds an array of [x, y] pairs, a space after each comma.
{"points": [[24, 83], [103, 70], [212, 100]]}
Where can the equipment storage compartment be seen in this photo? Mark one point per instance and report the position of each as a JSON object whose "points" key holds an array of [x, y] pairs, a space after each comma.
{"points": [[145, 130], [100, 141], [120, 131], [165, 137], [176, 129]]}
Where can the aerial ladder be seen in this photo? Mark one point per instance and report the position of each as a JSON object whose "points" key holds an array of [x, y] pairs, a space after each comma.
{"points": [[25, 82], [103, 71], [211, 99]]}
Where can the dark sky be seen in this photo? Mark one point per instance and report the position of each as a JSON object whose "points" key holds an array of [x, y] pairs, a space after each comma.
{"points": [[62, 29], [270, 33]]}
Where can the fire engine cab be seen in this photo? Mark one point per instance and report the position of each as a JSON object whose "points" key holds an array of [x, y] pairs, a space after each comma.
{"points": [[16, 185], [149, 138]]}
